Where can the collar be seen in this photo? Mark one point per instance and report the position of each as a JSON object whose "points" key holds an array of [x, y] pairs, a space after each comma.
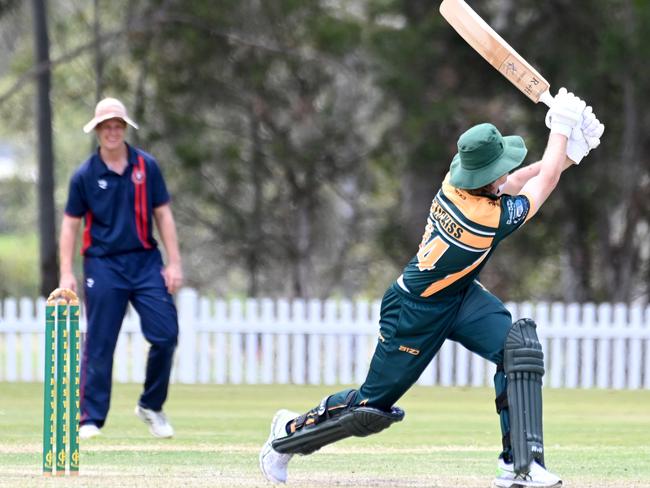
{"points": [[471, 196], [102, 167]]}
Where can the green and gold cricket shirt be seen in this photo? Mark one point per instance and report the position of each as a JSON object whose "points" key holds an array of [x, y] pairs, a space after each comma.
{"points": [[461, 233]]}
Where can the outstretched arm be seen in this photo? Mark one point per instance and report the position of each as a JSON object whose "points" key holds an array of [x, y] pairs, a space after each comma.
{"points": [[173, 272], [580, 143], [69, 230], [517, 179], [564, 115], [553, 163]]}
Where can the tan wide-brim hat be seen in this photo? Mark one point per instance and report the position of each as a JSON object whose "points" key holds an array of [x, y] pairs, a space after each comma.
{"points": [[109, 108]]}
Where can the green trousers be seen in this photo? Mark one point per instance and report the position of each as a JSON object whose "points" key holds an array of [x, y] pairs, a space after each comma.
{"points": [[413, 329]]}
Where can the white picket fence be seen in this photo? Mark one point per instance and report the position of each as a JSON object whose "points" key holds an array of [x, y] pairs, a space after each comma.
{"points": [[331, 342]]}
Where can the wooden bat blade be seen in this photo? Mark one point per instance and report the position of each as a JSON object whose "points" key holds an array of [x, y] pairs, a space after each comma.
{"points": [[495, 50]]}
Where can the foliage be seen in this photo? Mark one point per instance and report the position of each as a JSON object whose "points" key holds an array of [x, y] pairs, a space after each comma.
{"points": [[303, 141], [18, 240], [278, 179], [19, 266], [599, 216]]}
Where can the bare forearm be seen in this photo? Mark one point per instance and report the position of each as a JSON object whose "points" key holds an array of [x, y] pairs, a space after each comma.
{"points": [[554, 161], [173, 272], [519, 178], [69, 229], [170, 241], [167, 229], [567, 164]]}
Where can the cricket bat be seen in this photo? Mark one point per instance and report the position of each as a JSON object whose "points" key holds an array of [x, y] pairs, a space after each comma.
{"points": [[496, 51]]}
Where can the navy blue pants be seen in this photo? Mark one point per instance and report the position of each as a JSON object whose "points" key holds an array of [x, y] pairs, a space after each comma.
{"points": [[110, 284]]}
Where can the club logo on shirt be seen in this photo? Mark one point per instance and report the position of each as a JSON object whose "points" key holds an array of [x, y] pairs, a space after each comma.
{"points": [[90, 282], [519, 209], [103, 184], [516, 211], [137, 177]]}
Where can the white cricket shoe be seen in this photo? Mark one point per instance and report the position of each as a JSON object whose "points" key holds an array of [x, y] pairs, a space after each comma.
{"points": [[157, 422], [537, 477], [87, 431], [272, 463]]}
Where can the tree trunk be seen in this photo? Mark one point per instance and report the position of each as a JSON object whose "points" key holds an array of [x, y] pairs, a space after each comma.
{"points": [[254, 234], [46, 216], [99, 57]]}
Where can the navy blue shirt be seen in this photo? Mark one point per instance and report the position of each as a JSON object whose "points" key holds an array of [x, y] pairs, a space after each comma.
{"points": [[117, 209]]}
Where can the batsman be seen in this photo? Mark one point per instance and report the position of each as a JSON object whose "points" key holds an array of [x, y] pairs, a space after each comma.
{"points": [[482, 200]]}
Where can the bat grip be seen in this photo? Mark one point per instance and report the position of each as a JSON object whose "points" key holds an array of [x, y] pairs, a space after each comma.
{"points": [[546, 98]]}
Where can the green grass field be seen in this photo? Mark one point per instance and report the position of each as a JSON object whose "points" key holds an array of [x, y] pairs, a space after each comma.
{"points": [[449, 438]]}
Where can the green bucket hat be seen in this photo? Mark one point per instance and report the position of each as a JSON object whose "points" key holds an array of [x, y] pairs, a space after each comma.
{"points": [[484, 155]]}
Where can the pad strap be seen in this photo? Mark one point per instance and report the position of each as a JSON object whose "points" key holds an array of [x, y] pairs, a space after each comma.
{"points": [[354, 421]]}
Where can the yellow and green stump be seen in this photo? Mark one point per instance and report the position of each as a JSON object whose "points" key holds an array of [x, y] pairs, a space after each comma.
{"points": [[61, 384]]}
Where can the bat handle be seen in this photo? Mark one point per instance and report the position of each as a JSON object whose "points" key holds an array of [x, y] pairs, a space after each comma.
{"points": [[546, 98]]}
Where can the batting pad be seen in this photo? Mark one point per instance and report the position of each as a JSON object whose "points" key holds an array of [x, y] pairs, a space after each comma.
{"points": [[524, 366], [358, 422]]}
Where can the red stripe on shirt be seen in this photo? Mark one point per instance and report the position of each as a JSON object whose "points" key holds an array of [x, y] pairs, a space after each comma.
{"points": [[137, 210], [141, 213], [87, 238], [145, 210]]}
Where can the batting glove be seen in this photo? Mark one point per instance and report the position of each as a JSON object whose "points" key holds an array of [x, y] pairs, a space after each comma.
{"points": [[577, 146], [586, 137], [592, 128], [565, 113]]}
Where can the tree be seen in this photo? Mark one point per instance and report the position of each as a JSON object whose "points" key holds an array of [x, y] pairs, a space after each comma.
{"points": [[303, 141], [46, 214], [263, 119], [591, 237], [439, 87], [600, 216]]}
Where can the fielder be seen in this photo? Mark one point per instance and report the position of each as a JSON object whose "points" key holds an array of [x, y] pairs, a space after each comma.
{"points": [[438, 297], [120, 193]]}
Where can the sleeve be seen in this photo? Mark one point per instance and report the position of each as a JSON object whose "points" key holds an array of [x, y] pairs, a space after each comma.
{"points": [[159, 194], [515, 210], [77, 204]]}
